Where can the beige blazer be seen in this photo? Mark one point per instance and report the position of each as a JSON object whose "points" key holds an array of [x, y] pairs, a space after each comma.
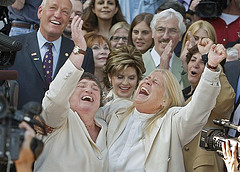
{"points": [[69, 147], [176, 69], [163, 145], [197, 159]]}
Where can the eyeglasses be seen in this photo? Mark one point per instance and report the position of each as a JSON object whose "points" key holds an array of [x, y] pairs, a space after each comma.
{"points": [[171, 31], [117, 38]]}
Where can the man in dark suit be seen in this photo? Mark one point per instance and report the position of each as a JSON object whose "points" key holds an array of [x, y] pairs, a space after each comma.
{"points": [[54, 16], [232, 70]]}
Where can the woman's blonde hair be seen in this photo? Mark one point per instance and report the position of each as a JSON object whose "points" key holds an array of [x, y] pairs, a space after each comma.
{"points": [[200, 24], [115, 27], [173, 97]]}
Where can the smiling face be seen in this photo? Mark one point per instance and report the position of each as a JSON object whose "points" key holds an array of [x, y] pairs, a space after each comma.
{"points": [[125, 82], [86, 97], [100, 53], [105, 9], [150, 94], [166, 30], [142, 37], [54, 17], [195, 69]]}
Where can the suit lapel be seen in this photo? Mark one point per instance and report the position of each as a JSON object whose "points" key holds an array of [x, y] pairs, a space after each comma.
{"points": [[117, 121], [65, 51], [32, 47], [150, 137]]}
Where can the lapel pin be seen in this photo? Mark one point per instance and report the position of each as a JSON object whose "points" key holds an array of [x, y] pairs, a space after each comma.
{"points": [[66, 54], [34, 54]]}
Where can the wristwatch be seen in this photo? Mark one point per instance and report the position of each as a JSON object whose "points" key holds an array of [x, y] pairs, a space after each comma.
{"points": [[78, 50]]}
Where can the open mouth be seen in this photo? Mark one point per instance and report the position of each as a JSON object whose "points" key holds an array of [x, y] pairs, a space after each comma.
{"points": [[193, 73], [144, 91], [87, 98], [55, 22]]}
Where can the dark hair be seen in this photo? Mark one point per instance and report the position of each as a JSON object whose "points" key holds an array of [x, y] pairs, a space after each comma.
{"points": [[90, 19], [146, 17], [89, 76], [191, 52], [177, 6]]}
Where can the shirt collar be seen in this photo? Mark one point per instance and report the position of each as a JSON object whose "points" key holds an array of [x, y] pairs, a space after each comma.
{"points": [[156, 58], [42, 41]]}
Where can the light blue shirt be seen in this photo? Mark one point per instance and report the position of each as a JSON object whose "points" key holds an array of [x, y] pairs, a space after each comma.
{"points": [[131, 8], [55, 49]]}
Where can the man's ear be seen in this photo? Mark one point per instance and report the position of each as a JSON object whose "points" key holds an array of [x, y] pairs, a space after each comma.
{"points": [[39, 13]]}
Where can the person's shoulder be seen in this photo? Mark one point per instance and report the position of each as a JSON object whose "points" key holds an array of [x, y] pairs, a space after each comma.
{"points": [[24, 37]]}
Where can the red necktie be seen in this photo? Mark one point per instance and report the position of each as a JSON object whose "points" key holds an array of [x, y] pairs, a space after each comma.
{"points": [[48, 63]]}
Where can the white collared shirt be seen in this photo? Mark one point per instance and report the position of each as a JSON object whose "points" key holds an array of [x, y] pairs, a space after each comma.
{"points": [[55, 49], [128, 151], [156, 58]]}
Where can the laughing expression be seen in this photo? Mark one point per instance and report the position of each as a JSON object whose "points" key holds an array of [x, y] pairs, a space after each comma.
{"points": [[150, 94], [86, 96], [54, 17]]}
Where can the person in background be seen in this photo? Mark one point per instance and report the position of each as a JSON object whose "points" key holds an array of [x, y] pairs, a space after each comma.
{"points": [[195, 33], [167, 30], [26, 157], [177, 6], [140, 34], [122, 72], [227, 24], [77, 9], [101, 15], [23, 16], [132, 8], [196, 158], [149, 133], [232, 70], [35, 70], [119, 34], [78, 140], [101, 49]]}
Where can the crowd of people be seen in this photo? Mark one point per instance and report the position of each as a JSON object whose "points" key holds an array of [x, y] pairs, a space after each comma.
{"points": [[127, 85]]}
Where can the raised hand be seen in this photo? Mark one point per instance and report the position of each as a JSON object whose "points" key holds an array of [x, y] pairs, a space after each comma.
{"points": [[77, 33], [216, 54], [166, 56], [204, 45]]}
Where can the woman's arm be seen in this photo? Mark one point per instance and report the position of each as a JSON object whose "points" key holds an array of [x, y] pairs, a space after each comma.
{"points": [[56, 100]]}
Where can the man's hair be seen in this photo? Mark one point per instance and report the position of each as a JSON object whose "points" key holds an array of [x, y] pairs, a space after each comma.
{"points": [[168, 14]]}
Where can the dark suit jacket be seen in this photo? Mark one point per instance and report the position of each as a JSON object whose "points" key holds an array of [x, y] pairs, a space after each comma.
{"points": [[232, 70], [28, 63]]}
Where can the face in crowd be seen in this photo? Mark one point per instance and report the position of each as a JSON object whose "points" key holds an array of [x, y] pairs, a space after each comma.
{"points": [[142, 37], [54, 16], [125, 82], [105, 9], [119, 38]]}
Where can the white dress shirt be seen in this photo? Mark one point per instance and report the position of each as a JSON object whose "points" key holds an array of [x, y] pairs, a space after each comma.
{"points": [[128, 152]]}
